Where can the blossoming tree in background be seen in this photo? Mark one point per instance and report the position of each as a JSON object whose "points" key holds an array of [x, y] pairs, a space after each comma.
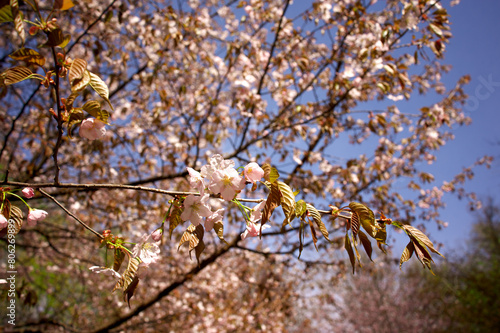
{"points": [[154, 124]]}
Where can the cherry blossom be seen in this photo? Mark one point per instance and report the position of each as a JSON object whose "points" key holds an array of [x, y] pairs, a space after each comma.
{"points": [[92, 129], [28, 192], [36, 215], [157, 235], [3, 222], [253, 230], [195, 208], [147, 251], [216, 216], [196, 180], [105, 271], [227, 182], [253, 172]]}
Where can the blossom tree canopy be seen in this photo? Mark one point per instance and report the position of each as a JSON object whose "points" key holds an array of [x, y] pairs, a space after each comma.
{"points": [[124, 120]]}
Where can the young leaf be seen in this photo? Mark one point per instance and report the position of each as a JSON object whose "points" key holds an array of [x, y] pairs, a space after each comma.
{"points": [[63, 4], [316, 216], [367, 245], [94, 109], [80, 84], [273, 201], [419, 236], [128, 293], [407, 253], [366, 217], [300, 208], [18, 19], [119, 255], [219, 230], [6, 14], [186, 236], [100, 87], [354, 223], [16, 74], [16, 214], [28, 55], [348, 247], [55, 38], [270, 173], [76, 70], [313, 234], [175, 219], [129, 275], [287, 202]]}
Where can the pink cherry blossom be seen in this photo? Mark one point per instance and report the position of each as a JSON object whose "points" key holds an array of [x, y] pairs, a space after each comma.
{"points": [[157, 234], [217, 162], [253, 230], [227, 182], [92, 129], [3, 222], [36, 215], [215, 217], [196, 180], [195, 208], [147, 251], [28, 192], [253, 172]]}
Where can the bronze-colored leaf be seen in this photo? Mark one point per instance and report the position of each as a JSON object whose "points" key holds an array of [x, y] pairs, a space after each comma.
{"points": [[18, 19], [354, 223], [316, 216], [129, 275], [186, 236], [197, 236], [273, 201], [94, 109], [16, 74], [287, 202], [28, 55], [128, 293], [348, 247], [76, 70], [6, 208], [366, 217], [420, 237], [367, 245], [175, 219], [300, 208], [219, 230], [16, 214], [63, 4], [100, 87], [119, 255], [313, 234], [270, 173], [407, 253], [80, 84]]}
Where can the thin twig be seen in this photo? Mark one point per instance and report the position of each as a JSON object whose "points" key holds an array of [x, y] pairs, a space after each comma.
{"points": [[71, 214]]}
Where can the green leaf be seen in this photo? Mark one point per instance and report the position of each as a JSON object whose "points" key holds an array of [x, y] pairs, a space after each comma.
{"points": [[287, 202], [366, 217], [367, 245], [94, 109], [6, 14], [300, 208], [80, 84], [28, 55], [407, 253], [316, 216], [270, 173], [272, 201], [63, 4], [76, 70], [175, 219], [219, 230], [100, 87], [16, 74], [348, 247]]}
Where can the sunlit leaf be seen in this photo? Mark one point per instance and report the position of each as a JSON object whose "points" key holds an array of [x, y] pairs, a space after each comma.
{"points": [[129, 275], [273, 201], [16, 214], [28, 55], [316, 216], [80, 84], [16, 74], [63, 4], [128, 293], [6, 14], [420, 237], [354, 223], [76, 70], [348, 247], [300, 208], [94, 109], [270, 173], [100, 87], [18, 19], [186, 236], [313, 234], [407, 253], [366, 217], [367, 245], [76, 116], [66, 40], [287, 202], [219, 230]]}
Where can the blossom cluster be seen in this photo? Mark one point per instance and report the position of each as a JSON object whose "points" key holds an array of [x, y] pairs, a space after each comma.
{"points": [[34, 214], [220, 178]]}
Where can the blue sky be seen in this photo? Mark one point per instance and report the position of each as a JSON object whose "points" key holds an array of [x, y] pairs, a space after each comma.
{"points": [[474, 50]]}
